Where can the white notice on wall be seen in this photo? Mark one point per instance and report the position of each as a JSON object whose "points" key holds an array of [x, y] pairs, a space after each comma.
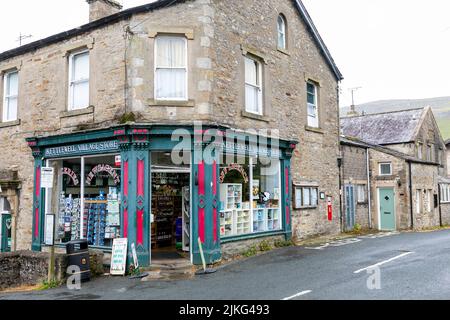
{"points": [[47, 175], [49, 229], [119, 257]]}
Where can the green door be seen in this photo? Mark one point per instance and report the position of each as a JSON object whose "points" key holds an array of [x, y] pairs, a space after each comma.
{"points": [[5, 238], [387, 209]]}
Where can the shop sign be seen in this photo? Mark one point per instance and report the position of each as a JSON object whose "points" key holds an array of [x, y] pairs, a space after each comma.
{"points": [[250, 149], [69, 172], [47, 175], [103, 168], [234, 167], [85, 148], [119, 257]]}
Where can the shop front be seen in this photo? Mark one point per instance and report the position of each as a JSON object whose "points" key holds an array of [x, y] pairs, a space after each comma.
{"points": [[170, 190]]}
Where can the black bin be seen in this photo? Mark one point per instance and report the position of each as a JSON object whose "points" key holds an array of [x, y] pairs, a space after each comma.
{"points": [[78, 255]]}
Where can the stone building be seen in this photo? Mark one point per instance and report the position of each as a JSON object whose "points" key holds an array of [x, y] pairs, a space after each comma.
{"points": [[104, 105], [406, 167]]}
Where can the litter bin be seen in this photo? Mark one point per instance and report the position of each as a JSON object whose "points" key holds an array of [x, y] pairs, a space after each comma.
{"points": [[78, 255]]}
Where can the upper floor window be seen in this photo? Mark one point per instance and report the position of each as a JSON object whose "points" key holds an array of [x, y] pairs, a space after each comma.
{"points": [[313, 108], [385, 169], [419, 151], [10, 95], [281, 32], [79, 80], [253, 86], [445, 193], [171, 68], [429, 153]]}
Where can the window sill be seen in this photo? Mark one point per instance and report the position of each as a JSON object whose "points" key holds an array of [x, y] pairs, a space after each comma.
{"points": [[171, 103], [254, 116], [9, 124], [315, 130], [283, 51], [306, 208], [76, 113], [253, 236]]}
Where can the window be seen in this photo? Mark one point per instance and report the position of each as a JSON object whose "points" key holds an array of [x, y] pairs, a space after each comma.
{"points": [[313, 114], [429, 199], [361, 192], [385, 169], [10, 95], [429, 153], [419, 151], [306, 197], [418, 200], [445, 193], [79, 80], [281, 32], [253, 86], [171, 68], [250, 197]]}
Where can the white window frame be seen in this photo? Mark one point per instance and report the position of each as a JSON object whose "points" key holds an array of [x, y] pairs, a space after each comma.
{"points": [[385, 163], [72, 82], [429, 200], [258, 86], [281, 32], [156, 68], [361, 193], [313, 119], [429, 152], [420, 151], [445, 193], [8, 97]]}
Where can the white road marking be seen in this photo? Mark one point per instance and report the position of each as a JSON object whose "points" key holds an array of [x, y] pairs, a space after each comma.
{"points": [[383, 262], [297, 295]]}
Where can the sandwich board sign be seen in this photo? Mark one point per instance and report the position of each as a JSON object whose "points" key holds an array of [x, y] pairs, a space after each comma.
{"points": [[119, 257]]}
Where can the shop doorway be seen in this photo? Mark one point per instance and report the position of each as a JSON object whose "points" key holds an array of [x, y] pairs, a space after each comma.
{"points": [[5, 226], [171, 209]]}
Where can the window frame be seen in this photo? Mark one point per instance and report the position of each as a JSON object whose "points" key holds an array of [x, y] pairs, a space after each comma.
{"points": [[445, 193], [311, 205], [156, 68], [259, 84], [72, 82], [359, 188], [281, 32], [418, 201], [7, 97], [380, 171], [316, 116]]}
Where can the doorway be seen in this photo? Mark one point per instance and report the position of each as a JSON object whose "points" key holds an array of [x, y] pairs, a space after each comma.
{"points": [[386, 209], [5, 226], [171, 209], [349, 207]]}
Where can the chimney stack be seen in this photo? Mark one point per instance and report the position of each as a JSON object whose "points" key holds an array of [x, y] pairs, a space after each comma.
{"points": [[102, 8], [352, 112]]}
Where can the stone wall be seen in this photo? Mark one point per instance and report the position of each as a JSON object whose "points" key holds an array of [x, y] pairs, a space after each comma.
{"points": [[445, 213], [232, 249], [28, 268]]}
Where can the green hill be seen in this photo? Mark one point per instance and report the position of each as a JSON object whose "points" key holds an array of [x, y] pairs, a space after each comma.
{"points": [[440, 106]]}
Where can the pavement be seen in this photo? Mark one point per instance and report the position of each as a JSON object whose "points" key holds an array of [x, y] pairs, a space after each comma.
{"points": [[392, 266]]}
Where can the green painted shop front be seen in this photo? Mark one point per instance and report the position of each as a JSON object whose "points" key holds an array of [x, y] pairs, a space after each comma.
{"points": [[135, 144]]}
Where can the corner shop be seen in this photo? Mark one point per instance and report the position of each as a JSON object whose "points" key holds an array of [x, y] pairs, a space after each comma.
{"points": [[111, 170]]}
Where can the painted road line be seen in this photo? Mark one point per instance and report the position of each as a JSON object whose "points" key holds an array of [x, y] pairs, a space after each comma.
{"points": [[383, 262], [297, 295]]}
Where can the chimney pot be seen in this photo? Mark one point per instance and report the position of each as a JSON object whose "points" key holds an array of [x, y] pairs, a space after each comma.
{"points": [[102, 8]]}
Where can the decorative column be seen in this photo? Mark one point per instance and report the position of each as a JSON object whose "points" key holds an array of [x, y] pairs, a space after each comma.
{"points": [[205, 207], [287, 189], [38, 198], [134, 145]]}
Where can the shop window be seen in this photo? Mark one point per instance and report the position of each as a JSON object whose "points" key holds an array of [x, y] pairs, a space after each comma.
{"points": [[10, 96], [171, 68], [79, 80], [86, 197], [250, 196], [306, 197]]}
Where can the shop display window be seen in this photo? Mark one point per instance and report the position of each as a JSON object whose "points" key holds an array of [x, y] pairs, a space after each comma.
{"points": [[250, 196], [86, 199]]}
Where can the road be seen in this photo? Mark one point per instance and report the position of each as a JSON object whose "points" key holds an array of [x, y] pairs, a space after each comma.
{"points": [[410, 265]]}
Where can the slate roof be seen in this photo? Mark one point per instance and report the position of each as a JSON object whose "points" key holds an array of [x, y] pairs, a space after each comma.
{"points": [[126, 14], [384, 128]]}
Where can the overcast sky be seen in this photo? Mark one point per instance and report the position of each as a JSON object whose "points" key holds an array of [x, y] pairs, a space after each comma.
{"points": [[393, 49]]}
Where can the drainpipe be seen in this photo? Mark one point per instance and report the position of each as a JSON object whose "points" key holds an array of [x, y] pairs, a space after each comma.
{"points": [[440, 207], [369, 196], [341, 209], [411, 195]]}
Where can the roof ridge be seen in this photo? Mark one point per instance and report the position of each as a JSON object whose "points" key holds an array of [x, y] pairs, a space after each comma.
{"points": [[386, 112]]}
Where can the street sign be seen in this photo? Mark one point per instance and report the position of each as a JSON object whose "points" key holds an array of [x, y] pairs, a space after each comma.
{"points": [[47, 175], [49, 229], [119, 257]]}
